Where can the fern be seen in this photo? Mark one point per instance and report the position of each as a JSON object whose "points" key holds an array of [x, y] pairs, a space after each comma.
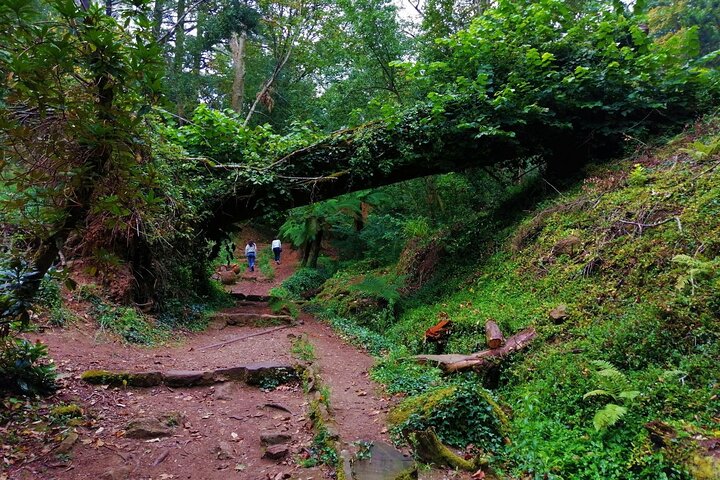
{"points": [[695, 270], [614, 384], [380, 287], [608, 416], [701, 151]]}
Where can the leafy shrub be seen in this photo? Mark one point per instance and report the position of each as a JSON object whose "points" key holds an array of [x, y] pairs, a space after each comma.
{"points": [[638, 176], [402, 374], [127, 322], [24, 368], [361, 336], [381, 287], [417, 228], [176, 314], [305, 279], [16, 287], [460, 414], [49, 298]]}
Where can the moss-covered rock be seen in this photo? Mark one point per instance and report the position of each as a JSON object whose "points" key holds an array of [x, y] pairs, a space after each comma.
{"points": [[70, 410], [421, 405], [122, 379]]}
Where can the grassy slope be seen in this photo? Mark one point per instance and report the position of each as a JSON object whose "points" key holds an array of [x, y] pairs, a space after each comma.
{"points": [[620, 286]]}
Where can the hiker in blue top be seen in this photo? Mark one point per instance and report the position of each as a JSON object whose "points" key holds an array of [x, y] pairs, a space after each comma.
{"points": [[250, 251]]}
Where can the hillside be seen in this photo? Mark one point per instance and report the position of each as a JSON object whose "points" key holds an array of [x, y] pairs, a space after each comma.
{"points": [[631, 252]]}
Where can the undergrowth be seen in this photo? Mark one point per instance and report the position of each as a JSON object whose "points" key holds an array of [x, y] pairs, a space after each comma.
{"points": [[633, 252]]}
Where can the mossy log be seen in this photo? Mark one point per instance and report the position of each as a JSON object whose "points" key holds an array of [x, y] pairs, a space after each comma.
{"points": [[478, 361], [430, 450], [493, 335]]}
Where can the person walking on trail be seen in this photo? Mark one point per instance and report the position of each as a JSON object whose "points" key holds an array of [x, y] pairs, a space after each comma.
{"points": [[277, 248], [250, 251]]}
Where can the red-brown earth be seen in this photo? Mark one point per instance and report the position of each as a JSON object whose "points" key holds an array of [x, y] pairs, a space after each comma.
{"points": [[215, 430]]}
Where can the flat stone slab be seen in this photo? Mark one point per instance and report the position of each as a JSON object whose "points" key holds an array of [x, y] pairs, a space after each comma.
{"points": [[385, 462], [263, 374], [274, 438], [147, 428], [250, 298], [252, 319]]}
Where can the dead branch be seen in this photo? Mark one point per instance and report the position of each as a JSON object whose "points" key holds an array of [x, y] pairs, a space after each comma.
{"points": [[457, 363], [641, 226], [243, 337]]}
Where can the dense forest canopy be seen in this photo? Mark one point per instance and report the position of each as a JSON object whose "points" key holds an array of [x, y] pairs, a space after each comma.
{"points": [[139, 130]]}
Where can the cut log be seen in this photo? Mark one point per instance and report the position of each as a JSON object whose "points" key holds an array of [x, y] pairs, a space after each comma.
{"points": [[477, 361], [493, 335]]}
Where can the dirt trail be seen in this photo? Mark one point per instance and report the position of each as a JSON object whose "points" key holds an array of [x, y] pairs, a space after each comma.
{"points": [[215, 431]]}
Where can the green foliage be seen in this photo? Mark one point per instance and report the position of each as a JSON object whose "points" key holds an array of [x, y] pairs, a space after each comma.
{"points": [[402, 374], [17, 280], [461, 414], [302, 349], [638, 176], [266, 263], [361, 336], [24, 368], [382, 287], [694, 270], [702, 151], [281, 302], [663, 346], [304, 280], [322, 450], [49, 298], [417, 228], [613, 384], [127, 322]]}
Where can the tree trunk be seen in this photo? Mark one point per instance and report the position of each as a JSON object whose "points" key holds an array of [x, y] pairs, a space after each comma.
{"points": [[493, 335], [157, 17], [269, 83], [179, 59], [306, 254], [457, 363], [237, 47], [78, 207], [430, 450], [199, 32], [316, 247], [434, 202], [109, 8]]}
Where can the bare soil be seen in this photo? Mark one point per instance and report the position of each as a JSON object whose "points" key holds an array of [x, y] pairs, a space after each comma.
{"points": [[215, 431]]}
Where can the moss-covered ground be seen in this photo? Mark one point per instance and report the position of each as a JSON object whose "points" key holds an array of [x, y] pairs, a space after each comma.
{"points": [[633, 252]]}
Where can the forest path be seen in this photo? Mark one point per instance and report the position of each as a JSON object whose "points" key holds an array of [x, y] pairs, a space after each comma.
{"points": [[213, 432]]}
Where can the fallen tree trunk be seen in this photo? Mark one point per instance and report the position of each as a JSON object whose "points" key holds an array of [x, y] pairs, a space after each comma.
{"points": [[477, 361], [493, 335]]}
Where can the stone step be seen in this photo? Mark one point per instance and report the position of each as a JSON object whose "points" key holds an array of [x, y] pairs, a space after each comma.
{"points": [[250, 298], [381, 462], [245, 319], [257, 374]]}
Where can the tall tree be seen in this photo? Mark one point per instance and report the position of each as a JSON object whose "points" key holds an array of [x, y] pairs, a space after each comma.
{"points": [[70, 133]]}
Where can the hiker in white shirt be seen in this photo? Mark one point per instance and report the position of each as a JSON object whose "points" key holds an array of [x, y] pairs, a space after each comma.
{"points": [[250, 251], [277, 248]]}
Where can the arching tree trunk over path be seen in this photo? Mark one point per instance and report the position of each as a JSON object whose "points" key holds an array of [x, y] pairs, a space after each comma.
{"points": [[366, 157]]}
